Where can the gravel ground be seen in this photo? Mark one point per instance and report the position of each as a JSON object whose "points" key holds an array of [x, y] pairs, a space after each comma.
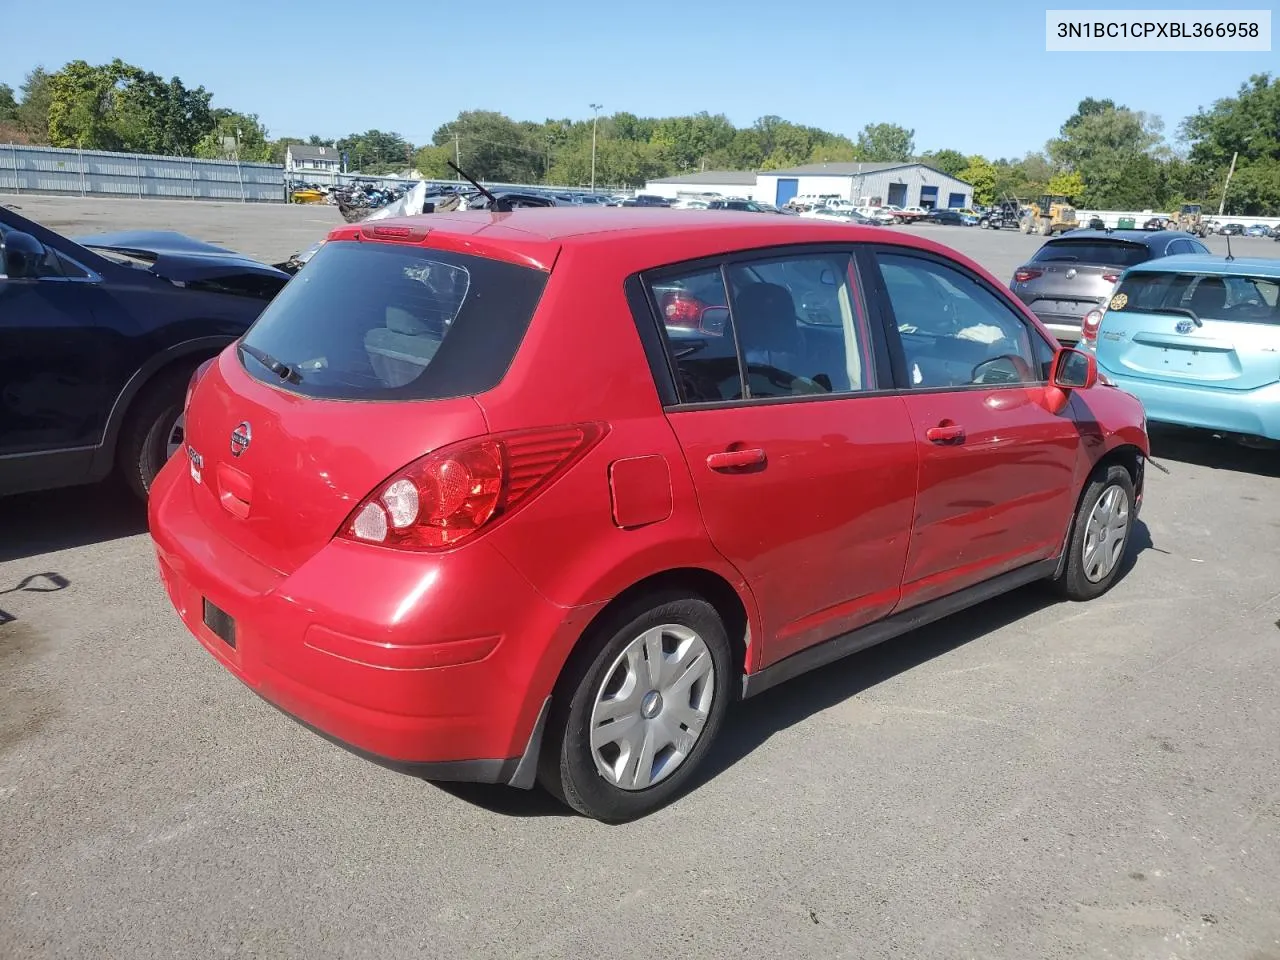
{"points": [[1025, 780]]}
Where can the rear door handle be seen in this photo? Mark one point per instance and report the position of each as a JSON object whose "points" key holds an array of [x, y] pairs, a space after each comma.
{"points": [[945, 433], [730, 459]]}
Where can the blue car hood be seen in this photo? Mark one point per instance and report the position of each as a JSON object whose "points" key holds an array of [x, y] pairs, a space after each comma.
{"points": [[176, 256]]}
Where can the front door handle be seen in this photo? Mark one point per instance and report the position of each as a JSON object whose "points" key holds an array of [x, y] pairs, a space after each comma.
{"points": [[731, 459], [945, 433]]}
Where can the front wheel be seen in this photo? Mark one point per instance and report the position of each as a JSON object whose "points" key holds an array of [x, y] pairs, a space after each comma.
{"points": [[638, 708], [1100, 535]]}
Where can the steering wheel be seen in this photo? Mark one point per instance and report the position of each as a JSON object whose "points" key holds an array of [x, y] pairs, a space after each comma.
{"points": [[986, 371]]}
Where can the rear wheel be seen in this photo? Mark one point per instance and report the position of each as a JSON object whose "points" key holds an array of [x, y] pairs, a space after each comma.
{"points": [[1100, 535], [155, 430], [638, 709]]}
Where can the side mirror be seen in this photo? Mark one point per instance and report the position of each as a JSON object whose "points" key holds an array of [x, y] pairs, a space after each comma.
{"points": [[20, 255], [1074, 370]]}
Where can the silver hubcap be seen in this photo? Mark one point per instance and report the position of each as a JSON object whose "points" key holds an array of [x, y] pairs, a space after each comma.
{"points": [[1105, 533], [652, 706], [175, 436]]}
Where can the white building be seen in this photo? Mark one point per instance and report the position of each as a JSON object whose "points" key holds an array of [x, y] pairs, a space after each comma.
{"points": [[725, 183], [866, 184], [299, 157]]}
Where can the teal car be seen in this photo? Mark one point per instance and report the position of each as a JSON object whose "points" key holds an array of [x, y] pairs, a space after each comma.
{"points": [[1197, 339]]}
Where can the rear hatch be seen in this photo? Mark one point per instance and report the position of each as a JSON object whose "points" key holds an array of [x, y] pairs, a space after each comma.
{"points": [[367, 360], [1070, 276], [1211, 330]]}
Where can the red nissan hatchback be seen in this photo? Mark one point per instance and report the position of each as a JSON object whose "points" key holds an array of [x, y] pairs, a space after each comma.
{"points": [[532, 496]]}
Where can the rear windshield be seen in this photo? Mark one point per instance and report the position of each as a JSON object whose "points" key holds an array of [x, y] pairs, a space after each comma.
{"points": [[1206, 296], [1113, 253], [385, 321]]}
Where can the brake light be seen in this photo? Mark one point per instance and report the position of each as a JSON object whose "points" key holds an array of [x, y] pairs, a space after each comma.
{"points": [[1023, 274], [1089, 326], [400, 234], [680, 310], [199, 372], [1111, 277], [440, 500]]}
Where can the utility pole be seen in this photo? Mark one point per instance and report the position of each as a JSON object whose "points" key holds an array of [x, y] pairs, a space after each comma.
{"points": [[457, 157], [1223, 205], [595, 107]]}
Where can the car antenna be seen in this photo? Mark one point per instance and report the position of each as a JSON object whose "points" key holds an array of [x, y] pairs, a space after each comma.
{"points": [[1230, 255], [495, 203]]}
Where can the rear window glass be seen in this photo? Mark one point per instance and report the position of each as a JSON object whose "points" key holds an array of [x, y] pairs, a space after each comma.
{"points": [[384, 321], [1112, 253], [1207, 296]]}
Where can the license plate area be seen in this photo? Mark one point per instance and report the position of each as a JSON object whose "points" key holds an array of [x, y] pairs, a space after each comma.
{"points": [[220, 623]]}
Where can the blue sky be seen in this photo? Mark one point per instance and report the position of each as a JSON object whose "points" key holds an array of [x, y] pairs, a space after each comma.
{"points": [[973, 77]]}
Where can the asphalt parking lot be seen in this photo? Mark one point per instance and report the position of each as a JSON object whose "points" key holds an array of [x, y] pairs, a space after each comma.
{"points": [[1025, 780]]}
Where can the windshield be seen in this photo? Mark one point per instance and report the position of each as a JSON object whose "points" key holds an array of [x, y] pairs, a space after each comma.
{"points": [[1204, 296], [385, 321], [1117, 253]]}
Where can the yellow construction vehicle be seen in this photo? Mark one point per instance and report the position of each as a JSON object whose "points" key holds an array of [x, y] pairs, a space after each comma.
{"points": [[1189, 220], [1049, 215]]}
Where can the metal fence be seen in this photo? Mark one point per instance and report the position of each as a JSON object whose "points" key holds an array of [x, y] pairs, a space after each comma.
{"points": [[96, 173], [52, 170]]}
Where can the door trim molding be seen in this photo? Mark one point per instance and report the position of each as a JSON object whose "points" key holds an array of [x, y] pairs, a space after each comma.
{"points": [[892, 626]]}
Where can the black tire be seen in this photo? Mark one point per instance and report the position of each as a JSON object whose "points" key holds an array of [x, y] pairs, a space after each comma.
{"points": [[984, 223], [1074, 584], [567, 768], [143, 441]]}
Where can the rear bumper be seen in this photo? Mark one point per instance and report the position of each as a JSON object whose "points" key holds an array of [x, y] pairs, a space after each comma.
{"points": [[440, 664], [1250, 412], [1067, 331]]}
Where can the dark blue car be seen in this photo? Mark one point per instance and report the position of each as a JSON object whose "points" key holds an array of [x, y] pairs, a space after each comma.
{"points": [[98, 340]]}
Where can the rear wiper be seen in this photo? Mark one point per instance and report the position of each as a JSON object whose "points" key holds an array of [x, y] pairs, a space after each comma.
{"points": [[1182, 310], [281, 370]]}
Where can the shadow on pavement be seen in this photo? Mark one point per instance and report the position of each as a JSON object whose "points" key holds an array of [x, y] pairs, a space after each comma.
{"points": [[751, 724], [1203, 449], [36, 523]]}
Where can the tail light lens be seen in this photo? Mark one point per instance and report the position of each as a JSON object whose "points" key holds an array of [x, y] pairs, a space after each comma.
{"points": [[1023, 274], [1111, 277], [440, 500], [681, 310], [1089, 326], [200, 371]]}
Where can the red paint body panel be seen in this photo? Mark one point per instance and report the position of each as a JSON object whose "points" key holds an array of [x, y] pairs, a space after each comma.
{"points": [[820, 530], [994, 499], [852, 513]]}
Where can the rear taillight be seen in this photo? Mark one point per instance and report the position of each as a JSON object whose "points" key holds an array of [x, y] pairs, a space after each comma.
{"points": [[1023, 274], [199, 372], [447, 496], [1090, 324], [1111, 277], [680, 310]]}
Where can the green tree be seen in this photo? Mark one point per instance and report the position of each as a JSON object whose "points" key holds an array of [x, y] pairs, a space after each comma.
{"points": [[8, 105], [1116, 151], [117, 106], [1247, 124], [1069, 185], [236, 135], [951, 162], [1025, 178], [494, 147], [32, 117], [981, 173], [885, 142], [376, 151]]}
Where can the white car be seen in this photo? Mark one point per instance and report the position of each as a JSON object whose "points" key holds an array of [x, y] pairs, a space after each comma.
{"points": [[878, 214], [839, 204]]}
